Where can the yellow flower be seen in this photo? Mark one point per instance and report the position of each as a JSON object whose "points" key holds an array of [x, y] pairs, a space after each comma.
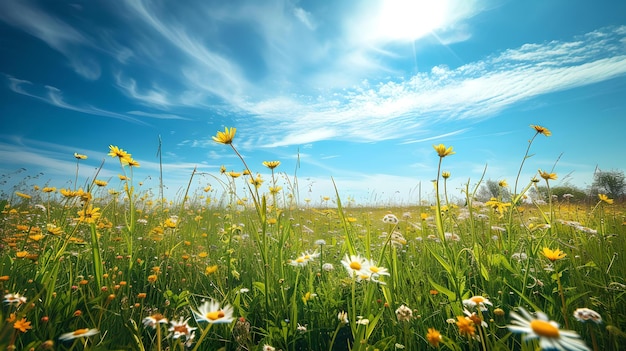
{"points": [[99, 182], [222, 169], [442, 151], [445, 174], [605, 198], [234, 174], [257, 182], [553, 255], [207, 189], [275, 189], [152, 278], [130, 161], [466, 326], [89, 214], [79, 156], [22, 195], [49, 189], [271, 164], [123, 177], [225, 137], [433, 336], [547, 176], [22, 325], [115, 151], [541, 130], [503, 183], [210, 269]]}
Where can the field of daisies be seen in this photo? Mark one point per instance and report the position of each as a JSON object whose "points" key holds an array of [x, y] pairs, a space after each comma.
{"points": [[109, 267]]}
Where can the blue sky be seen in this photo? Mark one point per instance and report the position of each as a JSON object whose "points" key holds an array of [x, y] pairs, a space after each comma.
{"points": [[356, 91]]}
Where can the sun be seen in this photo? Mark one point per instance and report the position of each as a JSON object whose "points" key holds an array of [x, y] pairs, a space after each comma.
{"points": [[408, 20]]}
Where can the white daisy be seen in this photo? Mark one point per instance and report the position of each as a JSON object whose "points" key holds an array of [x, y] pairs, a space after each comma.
{"points": [[548, 332], [211, 312]]}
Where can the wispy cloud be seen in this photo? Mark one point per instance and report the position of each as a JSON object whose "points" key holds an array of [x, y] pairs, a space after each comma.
{"points": [[54, 96], [58, 34]]}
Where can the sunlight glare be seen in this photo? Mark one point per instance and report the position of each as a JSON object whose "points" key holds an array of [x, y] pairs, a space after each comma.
{"points": [[408, 20]]}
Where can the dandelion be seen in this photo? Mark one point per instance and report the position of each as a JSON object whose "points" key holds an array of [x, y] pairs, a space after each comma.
{"points": [[404, 313], [271, 164], [477, 301], [79, 333], [442, 151], [211, 312], [586, 314], [22, 325], [154, 320], [605, 198], [541, 130], [553, 255], [210, 269], [225, 137], [434, 337], [547, 331]]}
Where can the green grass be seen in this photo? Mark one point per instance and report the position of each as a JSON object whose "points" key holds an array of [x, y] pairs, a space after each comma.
{"points": [[143, 257]]}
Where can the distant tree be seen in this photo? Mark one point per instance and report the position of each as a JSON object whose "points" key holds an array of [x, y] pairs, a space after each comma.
{"points": [[491, 188], [612, 183]]}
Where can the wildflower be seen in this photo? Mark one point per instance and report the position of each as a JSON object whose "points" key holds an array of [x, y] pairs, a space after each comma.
{"points": [[275, 189], [131, 162], [553, 255], [89, 214], [548, 332], [404, 313], [225, 137], [267, 347], [442, 151], [343, 317], [355, 265], [399, 346], [181, 328], [547, 176], [466, 325], [541, 130], [22, 325], [320, 242], [4, 278], [477, 301], [362, 321], [271, 164], [211, 312], [154, 320], [519, 256], [152, 278], [100, 183], [372, 271], [49, 189], [79, 156], [115, 151], [22, 195], [15, 299], [308, 297], [210, 269], [390, 219], [434, 337], [503, 183], [327, 267], [586, 314], [476, 319], [605, 198], [79, 333], [445, 174], [234, 174]]}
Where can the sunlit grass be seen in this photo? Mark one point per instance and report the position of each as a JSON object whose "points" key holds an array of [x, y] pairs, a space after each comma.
{"points": [[111, 267]]}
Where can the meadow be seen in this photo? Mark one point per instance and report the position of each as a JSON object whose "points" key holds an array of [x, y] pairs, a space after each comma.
{"points": [[109, 266]]}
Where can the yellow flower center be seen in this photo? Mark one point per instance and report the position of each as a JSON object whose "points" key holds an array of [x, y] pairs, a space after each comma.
{"points": [[478, 299], [215, 315], [355, 265], [374, 269], [300, 259], [543, 328], [80, 332]]}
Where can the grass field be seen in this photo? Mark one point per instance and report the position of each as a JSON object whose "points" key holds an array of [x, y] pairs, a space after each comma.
{"points": [[111, 267]]}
